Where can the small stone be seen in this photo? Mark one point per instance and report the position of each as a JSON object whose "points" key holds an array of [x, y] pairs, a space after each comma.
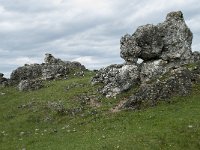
{"points": [[2, 93], [190, 126], [22, 133]]}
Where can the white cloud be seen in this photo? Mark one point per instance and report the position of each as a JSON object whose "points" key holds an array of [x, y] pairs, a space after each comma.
{"points": [[85, 30], [19, 61], [88, 61], [25, 60]]}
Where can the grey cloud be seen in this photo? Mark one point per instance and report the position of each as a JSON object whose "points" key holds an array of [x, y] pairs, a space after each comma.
{"points": [[79, 29], [30, 6]]}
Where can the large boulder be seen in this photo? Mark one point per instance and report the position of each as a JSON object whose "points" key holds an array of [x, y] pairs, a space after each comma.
{"points": [[176, 36], [163, 47], [169, 41], [149, 39], [130, 50]]}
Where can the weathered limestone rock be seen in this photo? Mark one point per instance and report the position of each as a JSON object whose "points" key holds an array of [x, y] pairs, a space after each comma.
{"points": [[152, 69], [53, 68], [117, 78], [50, 59], [26, 72], [195, 57], [163, 48], [177, 37], [169, 40], [130, 51], [54, 71], [149, 40], [179, 82], [30, 85]]}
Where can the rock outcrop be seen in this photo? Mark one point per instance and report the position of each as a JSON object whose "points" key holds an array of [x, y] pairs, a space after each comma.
{"points": [[117, 78], [165, 50], [30, 85], [170, 40], [176, 82], [26, 72], [3, 81], [53, 68]]}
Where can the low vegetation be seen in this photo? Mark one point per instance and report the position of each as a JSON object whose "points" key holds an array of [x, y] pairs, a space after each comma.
{"points": [[70, 114]]}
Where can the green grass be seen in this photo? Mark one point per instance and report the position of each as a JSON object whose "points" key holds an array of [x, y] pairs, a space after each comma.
{"points": [[27, 122]]}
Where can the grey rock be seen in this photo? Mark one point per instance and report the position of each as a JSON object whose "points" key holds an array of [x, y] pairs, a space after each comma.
{"points": [[53, 68], [54, 71], [2, 93], [169, 41], [177, 37], [3, 81], [163, 48], [26, 72], [177, 83], [149, 40], [130, 51], [117, 78], [152, 69], [50, 59], [195, 57], [80, 74], [75, 64], [30, 85]]}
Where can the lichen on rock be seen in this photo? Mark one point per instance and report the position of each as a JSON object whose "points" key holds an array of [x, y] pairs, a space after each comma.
{"points": [[165, 49], [53, 68], [117, 78], [169, 40]]}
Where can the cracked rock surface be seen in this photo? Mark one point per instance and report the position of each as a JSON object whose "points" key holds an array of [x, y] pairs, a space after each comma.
{"points": [[165, 49]]}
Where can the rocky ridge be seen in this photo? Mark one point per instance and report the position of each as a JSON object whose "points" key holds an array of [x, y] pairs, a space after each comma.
{"points": [[166, 52], [30, 77]]}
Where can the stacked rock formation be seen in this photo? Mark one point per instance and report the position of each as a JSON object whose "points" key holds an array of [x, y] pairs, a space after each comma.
{"points": [[165, 50], [169, 41], [28, 76]]}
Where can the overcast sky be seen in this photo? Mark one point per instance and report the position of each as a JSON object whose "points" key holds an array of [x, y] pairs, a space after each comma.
{"points": [[87, 31]]}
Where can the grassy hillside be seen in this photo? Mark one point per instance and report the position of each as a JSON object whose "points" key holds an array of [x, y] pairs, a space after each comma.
{"points": [[60, 117]]}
